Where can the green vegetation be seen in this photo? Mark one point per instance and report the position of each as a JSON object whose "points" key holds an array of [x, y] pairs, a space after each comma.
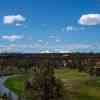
{"points": [[16, 83], [44, 85], [70, 74], [78, 84]]}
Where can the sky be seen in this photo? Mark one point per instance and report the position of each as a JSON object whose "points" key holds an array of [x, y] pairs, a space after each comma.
{"points": [[44, 26]]}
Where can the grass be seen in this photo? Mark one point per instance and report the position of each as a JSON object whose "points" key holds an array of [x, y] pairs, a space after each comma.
{"points": [[16, 83], [78, 84], [70, 74]]}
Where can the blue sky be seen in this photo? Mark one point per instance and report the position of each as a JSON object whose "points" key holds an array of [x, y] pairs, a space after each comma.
{"points": [[49, 26]]}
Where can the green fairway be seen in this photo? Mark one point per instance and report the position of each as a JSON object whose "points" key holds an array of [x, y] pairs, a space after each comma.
{"points": [[78, 84], [16, 83], [70, 74]]}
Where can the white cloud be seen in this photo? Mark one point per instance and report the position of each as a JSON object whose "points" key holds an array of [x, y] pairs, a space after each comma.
{"points": [[11, 37], [89, 19], [70, 28], [7, 48], [18, 24], [15, 47], [58, 40], [70, 47], [55, 38], [10, 19], [62, 51], [77, 46], [40, 41], [45, 51]]}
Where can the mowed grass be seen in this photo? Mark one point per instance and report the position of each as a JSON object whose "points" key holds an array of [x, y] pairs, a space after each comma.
{"points": [[70, 74], [17, 83], [78, 84]]}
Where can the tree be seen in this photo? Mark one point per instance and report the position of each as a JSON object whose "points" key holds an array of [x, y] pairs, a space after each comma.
{"points": [[24, 64], [44, 85], [77, 62]]}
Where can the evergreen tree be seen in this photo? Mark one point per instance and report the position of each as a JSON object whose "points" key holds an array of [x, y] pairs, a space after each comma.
{"points": [[44, 85]]}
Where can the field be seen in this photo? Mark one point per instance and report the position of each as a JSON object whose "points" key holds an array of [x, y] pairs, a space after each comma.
{"points": [[79, 85]]}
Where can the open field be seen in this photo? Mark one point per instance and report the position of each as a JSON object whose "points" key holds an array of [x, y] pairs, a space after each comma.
{"points": [[79, 85]]}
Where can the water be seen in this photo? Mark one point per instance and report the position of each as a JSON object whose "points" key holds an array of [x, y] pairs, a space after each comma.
{"points": [[4, 89]]}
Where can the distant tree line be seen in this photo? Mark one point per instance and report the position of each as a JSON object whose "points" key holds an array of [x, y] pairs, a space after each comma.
{"points": [[15, 63]]}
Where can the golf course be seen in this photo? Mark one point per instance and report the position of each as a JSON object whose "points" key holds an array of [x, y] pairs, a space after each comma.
{"points": [[79, 85]]}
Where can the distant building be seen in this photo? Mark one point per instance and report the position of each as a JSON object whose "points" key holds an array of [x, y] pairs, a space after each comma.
{"points": [[97, 68]]}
